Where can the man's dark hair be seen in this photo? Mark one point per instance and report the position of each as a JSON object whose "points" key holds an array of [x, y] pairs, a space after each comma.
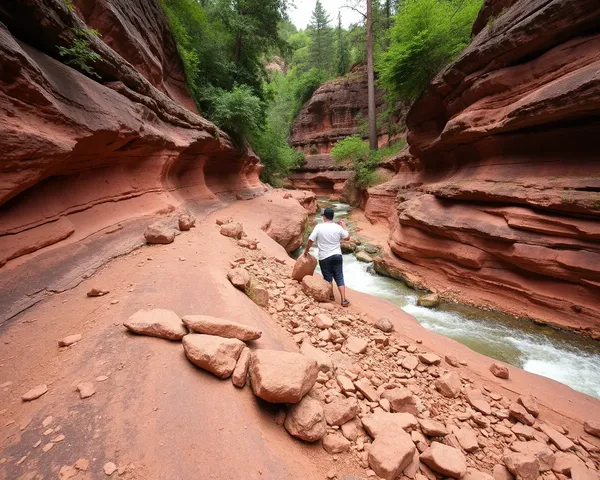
{"points": [[328, 213]]}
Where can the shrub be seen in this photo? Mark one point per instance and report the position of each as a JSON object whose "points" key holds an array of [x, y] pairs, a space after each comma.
{"points": [[79, 54]]}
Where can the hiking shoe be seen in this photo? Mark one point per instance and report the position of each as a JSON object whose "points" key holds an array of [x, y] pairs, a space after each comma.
{"points": [[345, 303]]}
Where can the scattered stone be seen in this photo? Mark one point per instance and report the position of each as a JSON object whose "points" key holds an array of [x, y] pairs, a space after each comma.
{"points": [[323, 359], [304, 266], [523, 431], [363, 256], [530, 404], [25, 423], [523, 465], [232, 230], [335, 443], [101, 378], [306, 420], [156, 323], [564, 462], [380, 422], [539, 450], [432, 428], [221, 327], [365, 387], [452, 360], [46, 448], [580, 472], [86, 389], [66, 472], [345, 384], [592, 427], [82, 464], [217, 355], [356, 345], [519, 413], [446, 460], [34, 393], [280, 417], [473, 474], [58, 438], [499, 370], [558, 439], [340, 410], [449, 385], [282, 377], [502, 473], [323, 321], [467, 439], [260, 296], [109, 468], [224, 220], [384, 324], [239, 278], [159, 233], [410, 362], [6, 384], [478, 401], [429, 359], [430, 300], [402, 400], [186, 222], [47, 432], [70, 340], [97, 292], [240, 372], [390, 453], [316, 287], [351, 430]]}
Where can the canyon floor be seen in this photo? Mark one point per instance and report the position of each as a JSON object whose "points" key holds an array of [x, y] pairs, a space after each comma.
{"points": [[154, 415]]}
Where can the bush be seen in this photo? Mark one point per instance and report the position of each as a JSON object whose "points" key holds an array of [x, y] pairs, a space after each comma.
{"points": [[79, 54], [426, 36]]}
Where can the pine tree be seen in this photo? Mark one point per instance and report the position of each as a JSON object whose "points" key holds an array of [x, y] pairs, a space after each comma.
{"points": [[343, 52], [321, 34]]}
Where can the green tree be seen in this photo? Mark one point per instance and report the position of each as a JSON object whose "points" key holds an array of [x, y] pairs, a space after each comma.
{"points": [[321, 35], [342, 50]]}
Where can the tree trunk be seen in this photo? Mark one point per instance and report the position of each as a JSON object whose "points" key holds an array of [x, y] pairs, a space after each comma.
{"points": [[373, 144]]}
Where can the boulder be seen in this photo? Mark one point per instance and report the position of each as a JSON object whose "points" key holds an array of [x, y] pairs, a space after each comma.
{"points": [[86, 389], [402, 400], [156, 323], [390, 453], [410, 362], [478, 401], [449, 385], [500, 472], [467, 439], [239, 278], [306, 420], [70, 340], [282, 377], [452, 360], [564, 462], [448, 461], [221, 327], [305, 265], [340, 410], [186, 222], [240, 372], [348, 246], [379, 422], [499, 370], [322, 358], [217, 355], [539, 450], [592, 427], [524, 466], [365, 387], [519, 413], [316, 288], [363, 256], [581, 472], [352, 429], [335, 443], [429, 358], [232, 230], [323, 321], [557, 438], [159, 233], [430, 300], [530, 404], [384, 324], [356, 345], [432, 428]]}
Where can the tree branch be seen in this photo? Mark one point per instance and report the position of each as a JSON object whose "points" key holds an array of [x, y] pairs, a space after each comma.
{"points": [[355, 9]]}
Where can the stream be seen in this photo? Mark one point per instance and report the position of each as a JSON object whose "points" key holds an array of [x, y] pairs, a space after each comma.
{"points": [[563, 356]]}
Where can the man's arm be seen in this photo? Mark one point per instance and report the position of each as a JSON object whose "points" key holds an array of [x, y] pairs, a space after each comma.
{"points": [[346, 234], [308, 245], [311, 239]]}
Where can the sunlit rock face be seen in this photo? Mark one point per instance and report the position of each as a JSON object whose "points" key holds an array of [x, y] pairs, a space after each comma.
{"points": [[82, 153], [497, 200]]}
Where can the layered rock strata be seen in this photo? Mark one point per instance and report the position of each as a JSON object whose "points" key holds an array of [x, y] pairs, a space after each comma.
{"points": [[497, 201], [81, 153]]}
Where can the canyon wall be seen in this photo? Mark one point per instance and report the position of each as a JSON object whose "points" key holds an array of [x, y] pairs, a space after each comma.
{"points": [[497, 200], [333, 113], [83, 153]]}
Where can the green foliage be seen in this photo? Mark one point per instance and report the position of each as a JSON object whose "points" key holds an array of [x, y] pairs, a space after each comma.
{"points": [[355, 151], [321, 35], [69, 5], [342, 49], [79, 54], [426, 36], [239, 112]]}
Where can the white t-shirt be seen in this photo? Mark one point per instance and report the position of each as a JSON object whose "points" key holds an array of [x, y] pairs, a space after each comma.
{"points": [[327, 236]]}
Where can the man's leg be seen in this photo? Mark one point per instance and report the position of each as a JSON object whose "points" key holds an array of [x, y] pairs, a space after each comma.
{"points": [[327, 272], [338, 274]]}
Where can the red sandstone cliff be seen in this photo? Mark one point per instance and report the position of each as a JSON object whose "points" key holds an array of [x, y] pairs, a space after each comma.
{"points": [[498, 201], [331, 114], [80, 154]]}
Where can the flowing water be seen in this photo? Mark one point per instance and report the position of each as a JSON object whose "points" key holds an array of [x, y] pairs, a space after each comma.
{"points": [[560, 355]]}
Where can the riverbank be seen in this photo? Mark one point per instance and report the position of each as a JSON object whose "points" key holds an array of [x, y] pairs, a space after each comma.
{"points": [[155, 412]]}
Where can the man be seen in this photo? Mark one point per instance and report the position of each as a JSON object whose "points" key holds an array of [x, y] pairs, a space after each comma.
{"points": [[328, 236]]}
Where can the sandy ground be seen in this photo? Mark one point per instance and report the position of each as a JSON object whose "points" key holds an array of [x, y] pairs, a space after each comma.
{"points": [[159, 417]]}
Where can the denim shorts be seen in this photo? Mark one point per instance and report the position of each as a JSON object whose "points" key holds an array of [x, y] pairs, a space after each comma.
{"points": [[331, 268]]}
